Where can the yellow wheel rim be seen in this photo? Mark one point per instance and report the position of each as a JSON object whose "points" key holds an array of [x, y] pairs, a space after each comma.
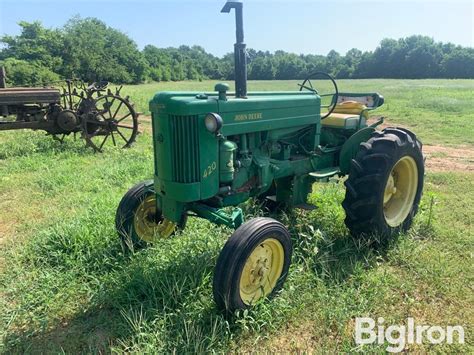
{"points": [[261, 271], [145, 225], [400, 191]]}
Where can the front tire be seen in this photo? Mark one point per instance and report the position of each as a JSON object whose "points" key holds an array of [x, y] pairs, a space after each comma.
{"points": [[385, 184], [138, 221], [252, 265]]}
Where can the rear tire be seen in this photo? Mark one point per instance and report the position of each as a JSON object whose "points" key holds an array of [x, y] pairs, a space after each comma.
{"points": [[385, 184], [252, 265]]}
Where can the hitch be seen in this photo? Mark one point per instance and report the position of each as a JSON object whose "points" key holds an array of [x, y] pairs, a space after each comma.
{"points": [[218, 216]]}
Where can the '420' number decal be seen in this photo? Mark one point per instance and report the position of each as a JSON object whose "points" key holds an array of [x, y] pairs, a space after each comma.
{"points": [[210, 169]]}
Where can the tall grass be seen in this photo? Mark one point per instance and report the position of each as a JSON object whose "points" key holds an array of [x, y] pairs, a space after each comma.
{"points": [[66, 286]]}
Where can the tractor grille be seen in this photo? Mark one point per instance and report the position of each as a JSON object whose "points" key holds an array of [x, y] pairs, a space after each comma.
{"points": [[185, 148]]}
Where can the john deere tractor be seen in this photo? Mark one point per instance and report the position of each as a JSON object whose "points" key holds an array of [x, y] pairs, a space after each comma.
{"points": [[214, 151]]}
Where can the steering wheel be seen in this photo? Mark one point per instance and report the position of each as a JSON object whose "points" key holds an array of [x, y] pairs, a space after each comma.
{"points": [[307, 85]]}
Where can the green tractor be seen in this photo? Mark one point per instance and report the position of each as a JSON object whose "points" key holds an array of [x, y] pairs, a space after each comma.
{"points": [[213, 151]]}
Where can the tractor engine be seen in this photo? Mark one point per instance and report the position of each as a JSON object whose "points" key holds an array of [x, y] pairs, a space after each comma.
{"points": [[221, 150]]}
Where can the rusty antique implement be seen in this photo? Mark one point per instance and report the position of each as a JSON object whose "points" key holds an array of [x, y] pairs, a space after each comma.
{"points": [[101, 116]]}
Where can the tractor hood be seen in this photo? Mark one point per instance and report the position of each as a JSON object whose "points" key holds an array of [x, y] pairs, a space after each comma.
{"points": [[260, 111]]}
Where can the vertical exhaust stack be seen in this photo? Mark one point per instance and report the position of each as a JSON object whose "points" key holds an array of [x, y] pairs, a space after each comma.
{"points": [[3, 85], [240, 71]]}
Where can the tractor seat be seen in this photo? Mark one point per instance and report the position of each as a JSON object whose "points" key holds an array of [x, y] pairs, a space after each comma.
{"points": [[346, 115]]}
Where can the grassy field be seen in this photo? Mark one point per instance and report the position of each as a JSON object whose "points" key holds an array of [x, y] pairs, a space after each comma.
{"points": [[67, 287]]}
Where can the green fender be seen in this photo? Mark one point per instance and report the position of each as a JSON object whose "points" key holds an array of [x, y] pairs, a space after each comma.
{"points": [[351, 147]]}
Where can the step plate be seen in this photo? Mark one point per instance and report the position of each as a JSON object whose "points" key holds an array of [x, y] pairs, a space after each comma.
{"points": [[325, 173]]}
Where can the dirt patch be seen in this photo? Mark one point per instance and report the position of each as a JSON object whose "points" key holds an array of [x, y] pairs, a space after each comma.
{"points": [[6, 229], [441, 158], [80, 334], [293, 338], [8, 221]]}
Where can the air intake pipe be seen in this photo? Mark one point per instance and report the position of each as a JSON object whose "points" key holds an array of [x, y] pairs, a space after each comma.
{"points": [[240, 55]]}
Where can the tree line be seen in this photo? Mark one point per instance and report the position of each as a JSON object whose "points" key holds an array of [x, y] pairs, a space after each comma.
{"points": [[87, 48]]}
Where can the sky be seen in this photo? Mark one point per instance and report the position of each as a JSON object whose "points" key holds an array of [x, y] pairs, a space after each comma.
{"points": [[298, 26]]}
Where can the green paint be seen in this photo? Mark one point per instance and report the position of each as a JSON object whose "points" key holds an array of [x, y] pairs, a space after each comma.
{"points": [[269, 144], [351, 146], [227, 151], [218, 216]]}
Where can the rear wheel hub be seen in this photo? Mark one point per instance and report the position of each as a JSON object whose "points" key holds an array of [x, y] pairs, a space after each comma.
{"points": [[400, 191]]}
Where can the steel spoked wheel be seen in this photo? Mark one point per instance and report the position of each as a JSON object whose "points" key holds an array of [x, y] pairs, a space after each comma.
{"points": [[71, 103], [73, 95], [113, 123], [385, 184], [400, 191], [253, 264], [138, 221]]}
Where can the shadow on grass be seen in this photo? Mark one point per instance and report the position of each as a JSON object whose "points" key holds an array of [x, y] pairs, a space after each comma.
{"points": [[160, 300], [141, 306], [327, 248]]}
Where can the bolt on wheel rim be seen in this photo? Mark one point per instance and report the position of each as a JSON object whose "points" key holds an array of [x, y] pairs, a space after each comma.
{"points": [[261, 271], [400, 191], [145, 225]]}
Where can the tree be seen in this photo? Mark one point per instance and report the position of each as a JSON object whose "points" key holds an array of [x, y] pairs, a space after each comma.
{"points": [[422, 59], [36, 45], [364, 69], [89, 49], [93, 51], [315, 63], [262, 68], [459, 63], [24, 73], [289, 66], [384, 62]]}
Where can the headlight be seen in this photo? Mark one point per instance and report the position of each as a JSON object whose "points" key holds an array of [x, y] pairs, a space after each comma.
{"points": [[213, 122]]}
